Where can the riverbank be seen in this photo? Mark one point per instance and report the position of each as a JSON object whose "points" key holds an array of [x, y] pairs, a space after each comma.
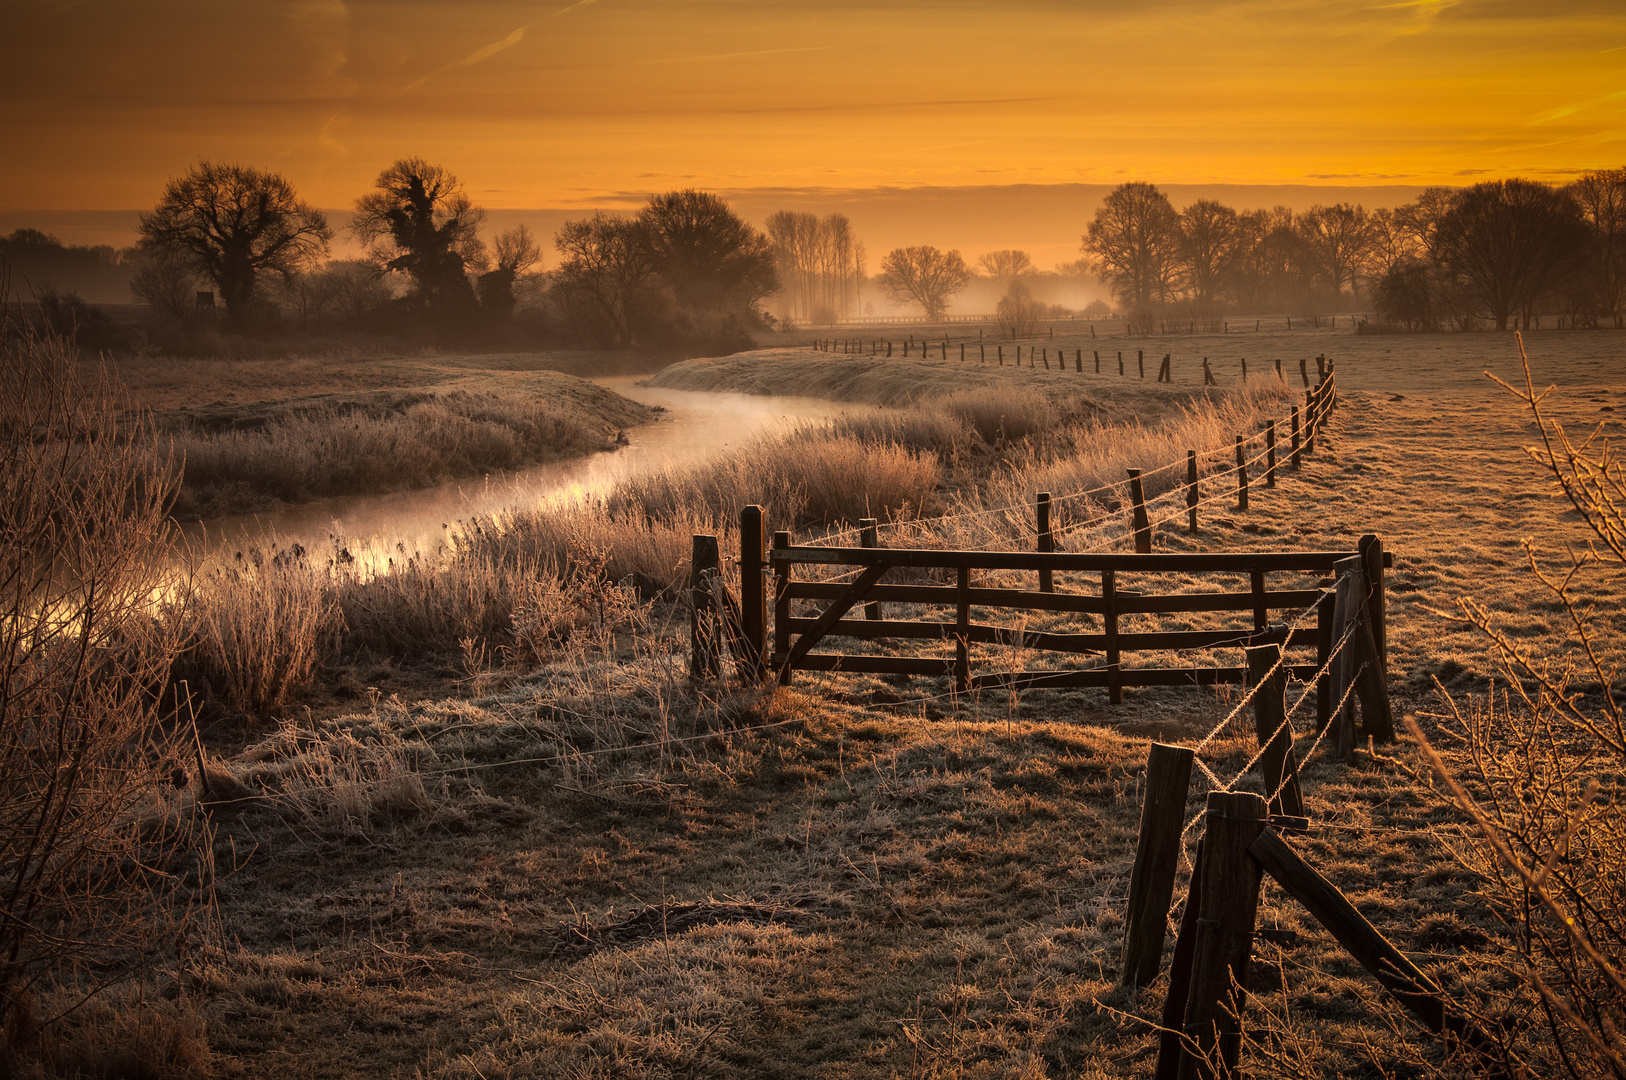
{"points": [[254, 435]]}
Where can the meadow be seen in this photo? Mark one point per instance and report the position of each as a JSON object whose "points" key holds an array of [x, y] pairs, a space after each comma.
{"points": [[472, 819]]}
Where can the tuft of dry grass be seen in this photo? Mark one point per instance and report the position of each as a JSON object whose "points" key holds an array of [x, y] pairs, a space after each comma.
{"points": [[1002, 414]]}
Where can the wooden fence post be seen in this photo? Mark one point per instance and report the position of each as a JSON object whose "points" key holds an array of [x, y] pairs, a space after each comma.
{"points": [[1371, 551], [962, 630], [1295, 456], [1267, 672], [1097, 360], [1241, 477], [1270, 453], [704, 614], [1193, 496], [1279, 369], [1109, 626], [1078, 361], [869, 536], [1224, 934], [753, 589], [1047, 540], [1143, 523], [1157, 856], [1304, 372], [1208, 374], [1312, 421], [1140, 361], [1120, 361], [1244, 369], [1001, 355], [1179, 992], [781, 610]]}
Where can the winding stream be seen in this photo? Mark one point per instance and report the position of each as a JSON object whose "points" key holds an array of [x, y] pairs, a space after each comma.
{"points": [[694, 427]]}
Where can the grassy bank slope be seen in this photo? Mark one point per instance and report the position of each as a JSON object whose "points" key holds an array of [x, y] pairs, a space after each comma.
{"points": [[255, 433]]}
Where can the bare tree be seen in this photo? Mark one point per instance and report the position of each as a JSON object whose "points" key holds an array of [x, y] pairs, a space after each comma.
{"points": [[923, 275], [1211, 236], [1006, 265], [1602, 199], [1507, 242], [820, 263], [233, 223], [1419, 220], [421, 223], [708, 256], [1136, 239], [515, 254], [1341, 237], [1019, 311], [606, 280]]}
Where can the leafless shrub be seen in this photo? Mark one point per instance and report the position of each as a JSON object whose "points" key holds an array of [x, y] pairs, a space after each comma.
{"points": [[92, 828], [1538, 771]]}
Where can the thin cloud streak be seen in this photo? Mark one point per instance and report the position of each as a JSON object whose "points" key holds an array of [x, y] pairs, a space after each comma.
{"points": [[475, 57]]}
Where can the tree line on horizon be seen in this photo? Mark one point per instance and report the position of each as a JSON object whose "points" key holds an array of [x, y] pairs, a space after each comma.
{"points": [[686, 271]]}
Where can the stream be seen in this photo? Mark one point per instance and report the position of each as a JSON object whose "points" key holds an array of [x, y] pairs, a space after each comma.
{"points": [[694, 427]]}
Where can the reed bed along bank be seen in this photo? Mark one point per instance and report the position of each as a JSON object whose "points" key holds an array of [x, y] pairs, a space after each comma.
{"points": [[237, 458]]}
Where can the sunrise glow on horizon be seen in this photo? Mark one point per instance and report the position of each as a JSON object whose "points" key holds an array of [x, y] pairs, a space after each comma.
{"points": [[597, 102]]}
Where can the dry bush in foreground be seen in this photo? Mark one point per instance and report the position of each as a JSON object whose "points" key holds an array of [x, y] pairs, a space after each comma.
{"points": [[1545, 760], [1002, 414], [92, 828]]}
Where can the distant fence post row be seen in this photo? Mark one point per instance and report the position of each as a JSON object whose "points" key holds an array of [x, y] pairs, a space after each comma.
{"points": [[1037, 356]]}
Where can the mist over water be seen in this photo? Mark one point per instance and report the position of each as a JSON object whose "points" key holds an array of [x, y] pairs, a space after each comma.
{"points": [[695, 427]]}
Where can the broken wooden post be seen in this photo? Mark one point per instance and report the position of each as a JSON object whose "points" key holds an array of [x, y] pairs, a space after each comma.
{"points": [[869, 536], [1267, 674], [1303, 370], [1208, 374], [1143, 523], [1224, 934], [1157, 856], [704, 629], [1047, 540], [753, 590]]}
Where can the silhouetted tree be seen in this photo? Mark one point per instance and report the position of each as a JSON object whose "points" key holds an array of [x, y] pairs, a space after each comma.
{"points": [[1507, 242], [1006, 265], [421, 223], [606, 282], [1602, 199], [1136, 239], [516, 253], [1211, 236], [1341, 238], [1019, 311], [923, 275], [1404, 296], [166, 282], [711, 259], [233, 222], [820, 263]]}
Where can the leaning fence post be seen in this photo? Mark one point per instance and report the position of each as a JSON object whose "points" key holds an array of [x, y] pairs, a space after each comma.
{"points": [[1157, 856], [1047, 539], [1143, 523], [1241, 477], [869, 536], [704, 631], [1267, 673], [1224, 934], [753, 589], [1193, 496]]}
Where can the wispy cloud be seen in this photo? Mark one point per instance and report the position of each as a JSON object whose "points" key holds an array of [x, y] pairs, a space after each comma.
{"points": [[729, 55], [474, 57], [1578, 106], [572, 7]]}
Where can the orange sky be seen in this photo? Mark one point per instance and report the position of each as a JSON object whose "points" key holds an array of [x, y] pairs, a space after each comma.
{"points": [[552, 105]]}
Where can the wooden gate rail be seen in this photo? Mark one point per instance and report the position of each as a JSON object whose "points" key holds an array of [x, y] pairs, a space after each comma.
{"points": [[794, 637]]}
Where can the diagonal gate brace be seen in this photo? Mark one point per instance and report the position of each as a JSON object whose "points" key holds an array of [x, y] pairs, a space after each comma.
{"points": [[832, 615]]}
